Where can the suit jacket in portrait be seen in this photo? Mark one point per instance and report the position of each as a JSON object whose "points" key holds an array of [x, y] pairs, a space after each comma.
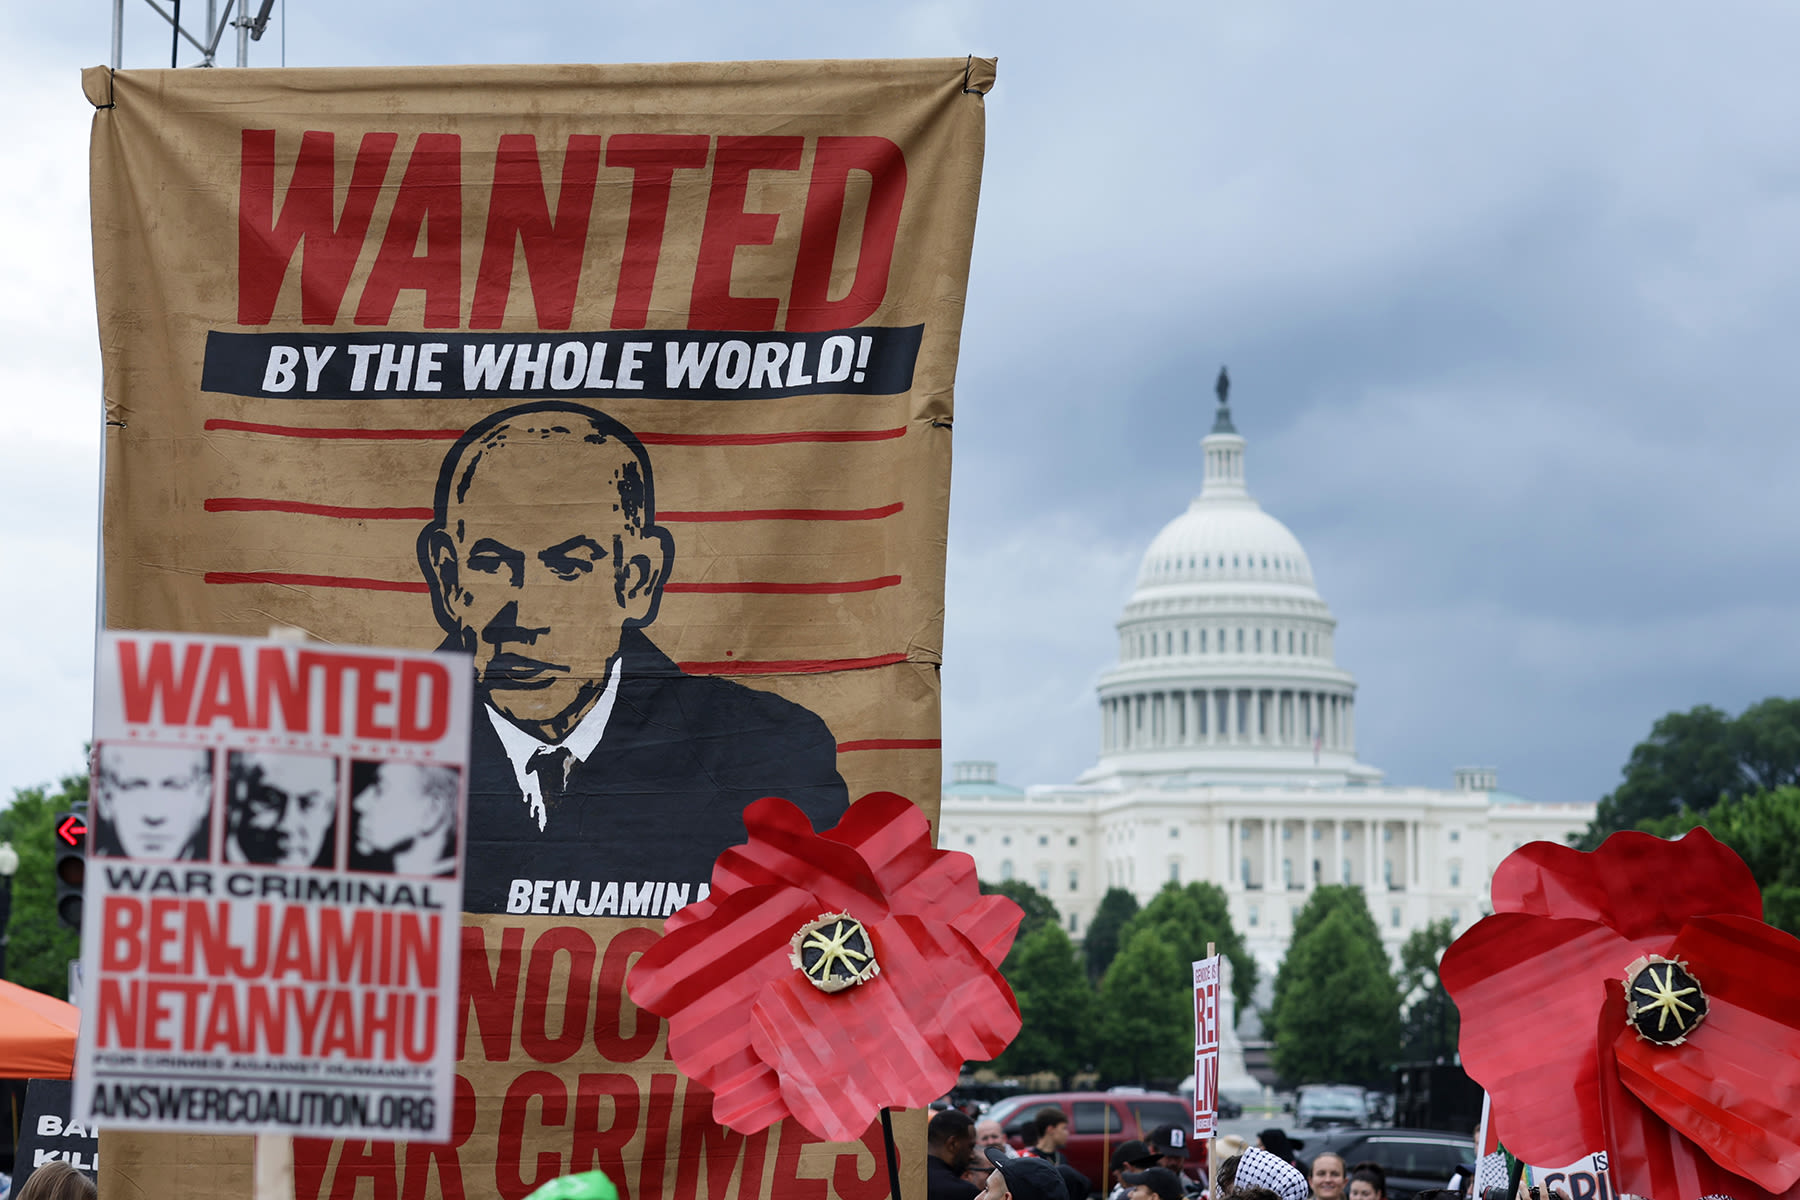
{"points": [[660, 798]]}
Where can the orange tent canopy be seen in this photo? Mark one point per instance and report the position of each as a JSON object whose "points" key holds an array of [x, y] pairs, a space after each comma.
{"points": [[37, 1034]]}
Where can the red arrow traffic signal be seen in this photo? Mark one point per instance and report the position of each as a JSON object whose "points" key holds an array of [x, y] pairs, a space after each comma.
{"points": [[71, 865]]}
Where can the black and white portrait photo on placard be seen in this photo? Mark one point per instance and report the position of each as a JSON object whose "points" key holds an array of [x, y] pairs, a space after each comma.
{"points": [[281, 809], [152, 801], [403, 817]]}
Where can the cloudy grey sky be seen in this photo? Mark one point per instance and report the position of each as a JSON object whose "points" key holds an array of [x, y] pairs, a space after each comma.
{"points": [[1508, 295]]}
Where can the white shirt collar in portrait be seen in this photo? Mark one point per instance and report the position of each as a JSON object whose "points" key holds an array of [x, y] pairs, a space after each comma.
{"points": [[582, 740]]}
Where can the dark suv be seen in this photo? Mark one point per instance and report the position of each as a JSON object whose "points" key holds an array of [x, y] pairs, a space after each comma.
{"points": [[1329, 1105], [1414, 1159]]}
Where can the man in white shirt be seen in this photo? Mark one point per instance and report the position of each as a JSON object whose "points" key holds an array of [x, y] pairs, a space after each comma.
{"points": [[603, 780]]}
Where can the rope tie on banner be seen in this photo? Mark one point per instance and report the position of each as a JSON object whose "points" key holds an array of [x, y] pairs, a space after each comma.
{"points": [[987, 81]]}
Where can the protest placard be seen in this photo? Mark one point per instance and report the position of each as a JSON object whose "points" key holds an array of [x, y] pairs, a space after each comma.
{"points": [[637, 384], [48, 1133], [1206, 1047], [271, 928], [1584, 1179]]}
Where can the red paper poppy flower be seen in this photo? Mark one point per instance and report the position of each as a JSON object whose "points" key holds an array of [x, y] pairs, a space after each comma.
{"points": [[1692, 1081], [827, 976]]}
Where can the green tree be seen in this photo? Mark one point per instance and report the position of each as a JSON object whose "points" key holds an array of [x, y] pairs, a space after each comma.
{"points": [[1146, 1024], [1336, 1015], [1102, 941], [39, 947], [1190, 917], [1692, 760], [1764, 828], [1326, 899], [1329, 897], [1039, 911], [1766, 742], [1056, 1003], [1430, 1022]]}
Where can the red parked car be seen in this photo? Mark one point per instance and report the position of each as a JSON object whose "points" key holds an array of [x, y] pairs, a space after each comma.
{"points": [[1098, 1122]]}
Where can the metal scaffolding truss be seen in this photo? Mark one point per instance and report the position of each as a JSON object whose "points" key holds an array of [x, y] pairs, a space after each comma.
{"points": [[211, 32]]}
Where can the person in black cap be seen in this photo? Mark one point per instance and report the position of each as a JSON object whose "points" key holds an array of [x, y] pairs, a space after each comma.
{"points": [[1078, 1184], [1278, 1143], [1171, 1144], [1153, 1183], [1023, 1178], [950, 1146], [1130, 1156]]}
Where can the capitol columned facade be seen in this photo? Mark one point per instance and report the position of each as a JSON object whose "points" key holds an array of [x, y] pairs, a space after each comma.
{"points": [[1227, 753]]}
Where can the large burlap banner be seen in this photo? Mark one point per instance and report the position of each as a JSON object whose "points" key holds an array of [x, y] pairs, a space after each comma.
{"points": [[634, 382]]}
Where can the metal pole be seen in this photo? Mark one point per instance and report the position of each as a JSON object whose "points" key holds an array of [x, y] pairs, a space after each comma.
{"points": [[174, 20], [5, 918], [212, 30], [215, 31]]}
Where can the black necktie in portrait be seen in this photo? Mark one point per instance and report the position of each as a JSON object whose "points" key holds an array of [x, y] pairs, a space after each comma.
{"points": [[551, 765]]}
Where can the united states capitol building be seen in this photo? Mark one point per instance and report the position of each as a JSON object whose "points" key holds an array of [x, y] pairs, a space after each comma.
{"points": [[1228, 754]]}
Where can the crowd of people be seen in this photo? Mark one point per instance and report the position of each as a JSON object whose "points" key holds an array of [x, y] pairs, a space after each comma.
{"points": [[974, 1160]]}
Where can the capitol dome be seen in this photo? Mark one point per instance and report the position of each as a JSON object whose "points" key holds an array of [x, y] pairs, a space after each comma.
{"points": [[1212, 542], [1225, 665]]}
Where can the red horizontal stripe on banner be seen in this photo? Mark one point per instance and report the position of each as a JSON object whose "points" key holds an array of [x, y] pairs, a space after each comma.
{"points": [[649, 439], [309, 431], [891, 744], [793, 666], [753, 588], [249, 504], [771, 439], [784, 514], [296, 580], [347, 512]]}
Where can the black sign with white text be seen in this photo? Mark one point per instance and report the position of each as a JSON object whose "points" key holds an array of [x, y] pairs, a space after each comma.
{"points": [[47, 1134]]}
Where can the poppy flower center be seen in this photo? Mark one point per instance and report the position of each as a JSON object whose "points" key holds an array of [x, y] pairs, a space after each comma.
{"points": [[834, 952], [1664, 1002]]}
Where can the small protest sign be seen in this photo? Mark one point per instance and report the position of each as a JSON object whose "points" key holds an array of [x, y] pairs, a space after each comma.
{"points": [[1584, 1179], [271, 933], [48, 1134], [1206, 1047]]}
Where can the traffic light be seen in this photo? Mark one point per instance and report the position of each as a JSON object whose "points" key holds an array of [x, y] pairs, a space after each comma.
{"points": [[71, 832]]}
